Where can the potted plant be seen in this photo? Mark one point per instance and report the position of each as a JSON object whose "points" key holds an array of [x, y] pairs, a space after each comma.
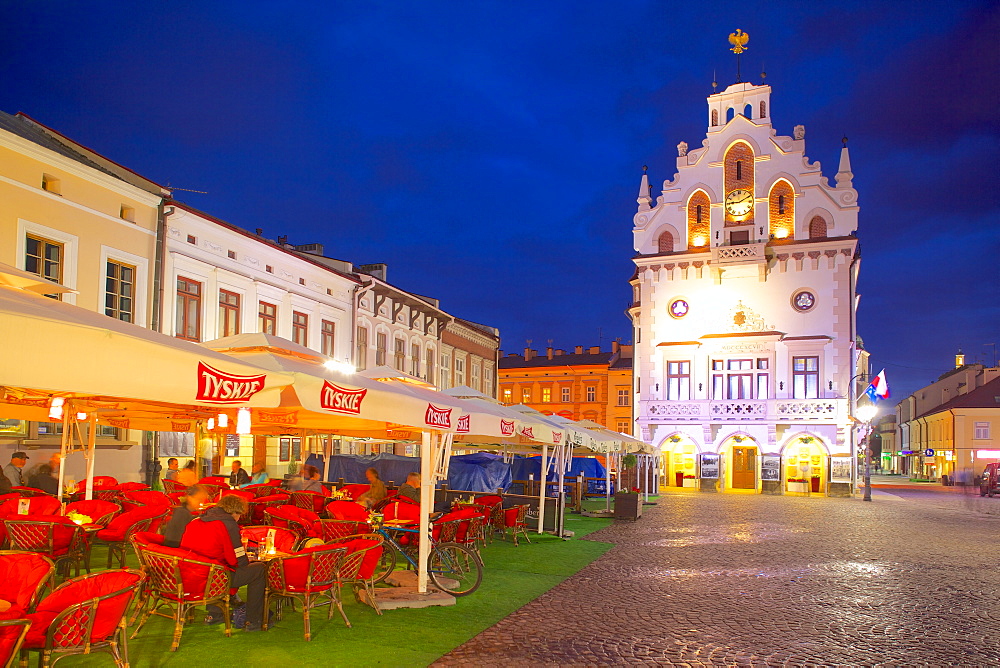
{"points": [[628, 504], [690, 480], [800, 485]]}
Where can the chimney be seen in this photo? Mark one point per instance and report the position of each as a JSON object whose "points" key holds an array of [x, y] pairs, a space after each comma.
{"points": [[614, 346], [528, 354], [579, 350], [548, 352], [560, 351], [595, 350], [260, 231]]}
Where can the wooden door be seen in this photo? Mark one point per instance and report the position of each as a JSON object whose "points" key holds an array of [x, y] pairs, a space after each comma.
{"points": [[744, 468], [260, 450]]}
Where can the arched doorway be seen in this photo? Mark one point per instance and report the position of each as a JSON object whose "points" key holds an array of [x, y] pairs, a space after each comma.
{"points": [[678, 467], [805, 460], [742, 456]]}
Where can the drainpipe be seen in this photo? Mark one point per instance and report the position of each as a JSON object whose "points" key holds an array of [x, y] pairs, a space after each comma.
{"points": [[151, 442]]}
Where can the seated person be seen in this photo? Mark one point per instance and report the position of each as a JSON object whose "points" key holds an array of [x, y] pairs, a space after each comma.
{"points": [[216, 536], [44, 480], [411, 488], [238, 476], [259, 476], [173, 530], [309, 482], [376, 490], [187, 476]]}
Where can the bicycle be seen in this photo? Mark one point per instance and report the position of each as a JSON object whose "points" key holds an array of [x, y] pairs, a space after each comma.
{"points": [[453, 567]]}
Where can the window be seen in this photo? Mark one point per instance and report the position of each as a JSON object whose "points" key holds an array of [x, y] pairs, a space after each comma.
{"points": [[665, 243], [488, 380], [623, 397], [44, 258], [268, 268], [127, 213], [415, 360], [475, 378], [805, 377], [119, 291], [327, 334], [678, 381], [192, 239], [763, 381], [51, 184], [300, 328], [429, 366], [546, 395], [739, 170], [508, 395], [622, 426], [715, 117], [302, 281], [459, 371], [982, 430], [763, 109], [188, 320], [229, 313], [267, 318], [591, 393], [566, 393], [380, 348], [817, 228], [781, 204], [399, 355], [361, 355], [739, 385], [445, 370], [525, 395]]}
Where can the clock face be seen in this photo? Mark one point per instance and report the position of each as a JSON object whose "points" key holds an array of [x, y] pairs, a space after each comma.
{"points": [[739, 202]]}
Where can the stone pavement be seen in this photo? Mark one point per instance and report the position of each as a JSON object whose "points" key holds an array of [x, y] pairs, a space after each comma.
{"points": [[722, 579]]}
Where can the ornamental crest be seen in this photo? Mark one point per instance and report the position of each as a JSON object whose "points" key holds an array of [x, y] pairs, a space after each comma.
{"points": [[744, 319]]}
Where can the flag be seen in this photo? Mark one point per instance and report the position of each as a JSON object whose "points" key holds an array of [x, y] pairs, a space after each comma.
{"points": [[878, 389]]}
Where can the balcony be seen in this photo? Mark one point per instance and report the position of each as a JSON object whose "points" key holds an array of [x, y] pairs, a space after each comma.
{"points": [[770, 410], [739, 254]]}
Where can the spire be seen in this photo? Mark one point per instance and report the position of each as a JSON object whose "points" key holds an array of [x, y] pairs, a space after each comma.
{"points": [[844, 173], [644, 199]]}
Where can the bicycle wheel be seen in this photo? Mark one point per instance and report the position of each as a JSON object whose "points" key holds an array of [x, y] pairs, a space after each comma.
{"points": [[386, 563], [455, 568]]}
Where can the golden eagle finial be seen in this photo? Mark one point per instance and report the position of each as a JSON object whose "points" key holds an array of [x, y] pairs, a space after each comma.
{"points": [[739, 41]]}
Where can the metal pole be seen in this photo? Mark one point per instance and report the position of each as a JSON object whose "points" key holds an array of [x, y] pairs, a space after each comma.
{"points": [[868, 467]]}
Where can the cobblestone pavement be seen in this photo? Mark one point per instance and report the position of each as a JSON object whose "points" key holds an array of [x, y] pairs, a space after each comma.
{"points": [[723, 579]]}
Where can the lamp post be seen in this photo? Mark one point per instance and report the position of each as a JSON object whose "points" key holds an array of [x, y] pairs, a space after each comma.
{"points": [[865, 414]]}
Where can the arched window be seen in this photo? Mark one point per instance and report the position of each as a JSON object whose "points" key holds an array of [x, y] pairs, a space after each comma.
{"points": [[730, 114], [665, 243], [739, 170], [781, 204], [715, 117], [698, 230], [748, 111], [763, 109], [817, 228], [781, 210]]}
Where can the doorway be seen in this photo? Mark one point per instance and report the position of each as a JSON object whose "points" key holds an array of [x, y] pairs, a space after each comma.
{"points": [[744, 468]]}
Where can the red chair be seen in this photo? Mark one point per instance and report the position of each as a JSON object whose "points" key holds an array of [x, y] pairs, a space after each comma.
{"points": [[83, 615], [328, 530], [298, 520], [12, 633], [402, 510], [514, 519], [284, 539], [262, 489], [184, 580], [99, 512], [57, 537], [117, 534], [37, 505], [29, 492], [496, 521], [100, 482], [171, 486], [113, 494], [307, 575], [347, 510], [131, 486], [354, 490], [246, 496], [313, 501], [259, 506], [218, 480], [359, 565], [23, 575], [213, 490], [132, 499]]}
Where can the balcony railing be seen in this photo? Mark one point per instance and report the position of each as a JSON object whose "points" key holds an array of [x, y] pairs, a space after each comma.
{"points": [[652, 410], [739, 254]]}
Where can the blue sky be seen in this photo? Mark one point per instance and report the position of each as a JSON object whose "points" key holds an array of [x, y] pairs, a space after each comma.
{"points": [[490, 152]]}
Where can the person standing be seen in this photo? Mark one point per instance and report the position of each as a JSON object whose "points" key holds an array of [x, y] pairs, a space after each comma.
{"points": [[238, 476], [14, 471], [216, 536], [171, 469]]}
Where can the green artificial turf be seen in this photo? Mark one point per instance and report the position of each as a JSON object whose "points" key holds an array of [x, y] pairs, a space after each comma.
{"points": [[512, 577]]}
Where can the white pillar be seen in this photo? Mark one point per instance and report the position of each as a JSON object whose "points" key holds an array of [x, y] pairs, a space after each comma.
{"points": [[427, 459], [541, 493]]}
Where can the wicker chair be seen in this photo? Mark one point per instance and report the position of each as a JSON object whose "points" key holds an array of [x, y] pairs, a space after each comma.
{"points": [[118, 534], [313, 501], [359, 566], [328, 530], [29, 492], [310, 576], [172, 486], [184, 580], [99, 512], [258, 507], [259, 490], [55, 536], [285, 539], [297, 519], [25, 575], [514, 519], [83, 615], [12, 633]]}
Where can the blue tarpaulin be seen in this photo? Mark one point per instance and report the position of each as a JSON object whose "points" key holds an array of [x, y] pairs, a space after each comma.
{"points": [[591, 467], [479, 472]]}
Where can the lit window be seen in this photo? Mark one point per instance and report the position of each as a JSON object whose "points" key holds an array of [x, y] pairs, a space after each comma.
{"points": [[805, 377], [525, 395], [119, 294], [546, 395], [508, 395], [678, 381]]}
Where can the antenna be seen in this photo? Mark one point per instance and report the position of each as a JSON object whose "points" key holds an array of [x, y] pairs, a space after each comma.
{"points": [[715, 84], [187, 190]]}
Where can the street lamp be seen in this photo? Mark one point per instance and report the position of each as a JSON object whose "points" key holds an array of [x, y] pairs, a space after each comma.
{"points": [[865, 414]]}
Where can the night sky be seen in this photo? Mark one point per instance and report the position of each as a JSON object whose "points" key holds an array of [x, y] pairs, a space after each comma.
{"points": [[490, 153]]}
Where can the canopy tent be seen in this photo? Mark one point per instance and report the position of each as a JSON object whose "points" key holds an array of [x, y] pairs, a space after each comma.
{"points": [[525, 430], [65, 362], [478, 472]]}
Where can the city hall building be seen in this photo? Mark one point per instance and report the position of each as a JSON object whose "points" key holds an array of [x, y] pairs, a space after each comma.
{"points": [[744, 299]]}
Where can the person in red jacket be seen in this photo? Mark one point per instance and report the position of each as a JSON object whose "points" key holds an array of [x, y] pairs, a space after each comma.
{"points": [[216, 536]]}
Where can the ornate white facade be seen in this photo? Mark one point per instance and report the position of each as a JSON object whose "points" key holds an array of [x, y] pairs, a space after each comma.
{"points": [[744, 302]]}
